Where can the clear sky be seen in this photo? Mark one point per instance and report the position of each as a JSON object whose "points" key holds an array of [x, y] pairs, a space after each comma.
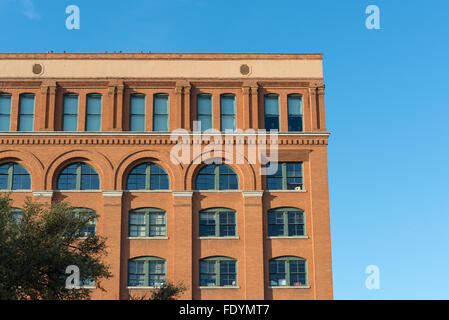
{"points": [[387, 107]]}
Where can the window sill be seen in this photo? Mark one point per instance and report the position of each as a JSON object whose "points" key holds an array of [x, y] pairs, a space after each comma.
{"points": [[288, 237], [14, 191], [217, 191], [147, 238], [148, 191], [219, 238], [286, 191], [75, 191], [289, 287], [141, 288], [218, 287], [88, 287]]}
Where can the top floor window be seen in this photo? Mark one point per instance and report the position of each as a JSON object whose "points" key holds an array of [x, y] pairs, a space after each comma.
{"points": [[295, 112], [204, 108], [160, 112], [93, 112], [5, 111], [271, 112], [137, 112], [78, 176], [26, 112], [227, 110], [70, 112]]}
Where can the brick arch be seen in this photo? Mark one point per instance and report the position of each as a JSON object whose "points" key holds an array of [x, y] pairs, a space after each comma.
{"points": [[30, 162], [245, 171], [97, 160], [160, 158]]}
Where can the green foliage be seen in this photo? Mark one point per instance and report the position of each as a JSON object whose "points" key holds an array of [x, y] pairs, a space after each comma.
{"points": [[168, 291], [36, 249]]}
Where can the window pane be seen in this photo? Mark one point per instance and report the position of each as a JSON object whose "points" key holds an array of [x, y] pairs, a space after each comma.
{"points": [[70, 113], [89, 178], [294, 123], [228, 179], [228, 275], [227, 109], [136, 178], [272, 122], [207, 273], [26, 112], [277, 273], [206, 178], [205, 111], [294, 102], [93, 112], [160, 116], [137, 112], [5, 112]]}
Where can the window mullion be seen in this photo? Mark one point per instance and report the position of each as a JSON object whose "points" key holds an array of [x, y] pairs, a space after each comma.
{"points": [[217, 224], [285, 216], [147, 177], [217, 272], [287, 272], [217, 177], [147, 223], [78, 177], [284, 176], [10, 176], [147, 272]]}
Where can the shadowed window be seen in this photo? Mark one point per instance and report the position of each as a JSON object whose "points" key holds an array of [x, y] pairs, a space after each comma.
{"points": [[146, 272], [218, 272], [288, 271], [217, 177]]}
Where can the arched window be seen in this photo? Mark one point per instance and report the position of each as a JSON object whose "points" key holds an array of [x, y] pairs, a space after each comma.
{"points": [[147, 222], [218, 222], [217, 177], [14, 177], [146, 272], [90, 228], [147, 176], [288, 271], [78, 176], [218, 272], [286, 222]]}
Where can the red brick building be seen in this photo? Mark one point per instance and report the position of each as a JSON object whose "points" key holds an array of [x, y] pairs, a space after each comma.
{"points": [[95, 130]]}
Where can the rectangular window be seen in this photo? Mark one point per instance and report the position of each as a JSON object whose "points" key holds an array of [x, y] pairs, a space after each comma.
{"points": [[5, 112], [160, 113], [70, 113], [26, 112], [227, 109], [137, 113], [294, 102], [271, 112], [157, 224], [217, 223], [205, 111], [137, 225], [288, 176], [93, 112]]}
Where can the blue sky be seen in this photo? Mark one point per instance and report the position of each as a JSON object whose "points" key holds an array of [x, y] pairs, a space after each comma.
{"points": [[387, 107]]}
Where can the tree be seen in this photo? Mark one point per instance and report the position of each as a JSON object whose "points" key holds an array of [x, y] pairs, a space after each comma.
{"points": [[37, 246], [167, 291]]}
